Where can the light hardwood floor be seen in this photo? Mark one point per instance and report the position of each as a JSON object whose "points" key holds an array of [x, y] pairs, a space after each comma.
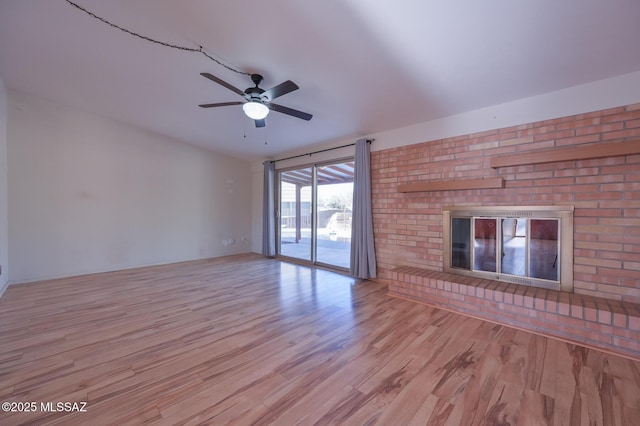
{"points": [[249, 340]]}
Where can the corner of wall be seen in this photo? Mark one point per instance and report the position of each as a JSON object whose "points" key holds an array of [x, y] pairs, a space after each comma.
{"points": [[4, 188]]}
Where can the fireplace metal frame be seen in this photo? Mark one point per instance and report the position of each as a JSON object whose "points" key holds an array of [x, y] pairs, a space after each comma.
{"points": [[564, 214]]}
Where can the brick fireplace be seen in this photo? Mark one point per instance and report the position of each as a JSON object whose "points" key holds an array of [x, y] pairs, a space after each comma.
{"points": [[604, 309]]}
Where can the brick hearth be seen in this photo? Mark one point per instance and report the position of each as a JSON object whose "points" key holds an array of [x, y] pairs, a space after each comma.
{"points": [[605, 324]]}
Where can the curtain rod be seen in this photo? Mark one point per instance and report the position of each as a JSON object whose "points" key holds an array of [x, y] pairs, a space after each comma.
{"points": [[318, 152]]}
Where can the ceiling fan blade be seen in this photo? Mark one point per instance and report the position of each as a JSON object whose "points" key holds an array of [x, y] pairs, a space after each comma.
{"points": [[222, 83], [290, 111], [281, 89], [260, 123], [220, 104]]}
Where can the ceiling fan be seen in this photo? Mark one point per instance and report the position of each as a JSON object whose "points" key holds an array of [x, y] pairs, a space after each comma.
{"points": [[258, 101]]}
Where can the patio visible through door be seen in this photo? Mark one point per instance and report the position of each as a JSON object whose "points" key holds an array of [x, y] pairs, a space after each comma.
{"points": [[315, 204]]}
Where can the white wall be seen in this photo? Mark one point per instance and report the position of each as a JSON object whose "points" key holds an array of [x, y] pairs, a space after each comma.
{"points": [[89, 194], [603, 94], [4, 223]]}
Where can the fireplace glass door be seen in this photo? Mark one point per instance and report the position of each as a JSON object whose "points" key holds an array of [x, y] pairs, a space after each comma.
{"points": [[513, 246], [484, 244], [543, 245], [532, 247]]}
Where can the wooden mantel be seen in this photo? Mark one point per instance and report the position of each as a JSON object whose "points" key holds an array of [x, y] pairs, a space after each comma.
{"points": [[569, 153]]}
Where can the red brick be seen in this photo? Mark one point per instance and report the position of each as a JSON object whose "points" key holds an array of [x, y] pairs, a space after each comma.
{"points": [[576, 311], [621, 134], [633, 345], [602, 128], [575, 140], [620, 319], [508, 298], [564, 308], [604, 316], [590, 312], [634, 323], [518, 299], [528, 302]]}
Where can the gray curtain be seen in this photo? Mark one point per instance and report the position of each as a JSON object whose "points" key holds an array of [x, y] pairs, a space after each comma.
{"points": [[363, 255], [268, 210]]}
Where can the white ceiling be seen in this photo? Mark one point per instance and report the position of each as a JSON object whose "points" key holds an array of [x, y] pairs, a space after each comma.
{"points": [[363, 66]]}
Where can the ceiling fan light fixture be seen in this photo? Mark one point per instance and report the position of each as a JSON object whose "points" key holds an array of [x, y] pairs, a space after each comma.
{"points": [[255, 110]]}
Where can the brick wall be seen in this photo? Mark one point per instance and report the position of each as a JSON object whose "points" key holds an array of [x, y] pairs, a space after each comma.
{"points": [[605, 193]]}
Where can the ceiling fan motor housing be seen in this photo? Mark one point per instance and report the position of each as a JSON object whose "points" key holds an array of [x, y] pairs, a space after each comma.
{"points": [[254, 93], [257, 79]]}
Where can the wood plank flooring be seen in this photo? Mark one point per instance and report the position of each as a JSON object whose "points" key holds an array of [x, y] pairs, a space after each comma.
{"points": [[247, 340]]}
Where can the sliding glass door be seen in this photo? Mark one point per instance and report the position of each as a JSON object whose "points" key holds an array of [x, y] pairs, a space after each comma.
{"points": [[334, 206], [315, 205], [295, 213]]}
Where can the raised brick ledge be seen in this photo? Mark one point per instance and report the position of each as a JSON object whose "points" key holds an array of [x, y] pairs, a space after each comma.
{"points": [[606, 324]]}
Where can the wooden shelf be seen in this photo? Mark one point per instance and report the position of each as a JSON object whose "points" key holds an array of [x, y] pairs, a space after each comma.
{"points": [[569, 153], [452, 185]]}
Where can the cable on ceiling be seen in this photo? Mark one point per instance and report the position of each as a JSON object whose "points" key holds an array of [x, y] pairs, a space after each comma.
{"points": [[162, 43]]}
